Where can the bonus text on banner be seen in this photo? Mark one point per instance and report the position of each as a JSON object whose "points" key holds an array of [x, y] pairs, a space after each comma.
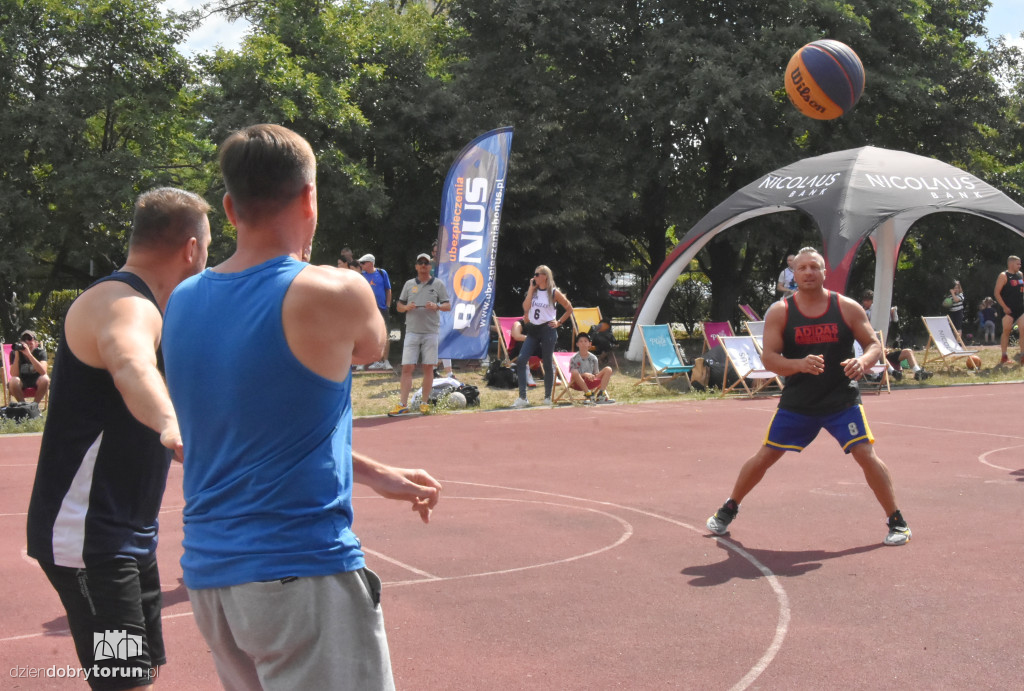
{"points": [[471, 204]]}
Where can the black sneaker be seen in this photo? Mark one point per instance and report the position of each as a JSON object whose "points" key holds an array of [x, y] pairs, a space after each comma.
{"points": [[719, 523], [897, 375], [922, 374]]}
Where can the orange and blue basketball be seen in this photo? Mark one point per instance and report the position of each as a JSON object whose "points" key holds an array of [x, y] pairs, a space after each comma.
{"points": [[824, 79]]}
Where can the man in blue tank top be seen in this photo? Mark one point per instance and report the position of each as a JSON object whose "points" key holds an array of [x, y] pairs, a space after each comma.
{"points": [[274, 572], [808, 338], [106, 448]]}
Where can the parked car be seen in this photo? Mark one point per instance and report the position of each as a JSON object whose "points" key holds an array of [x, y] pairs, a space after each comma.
{"points": [[623, 291]]}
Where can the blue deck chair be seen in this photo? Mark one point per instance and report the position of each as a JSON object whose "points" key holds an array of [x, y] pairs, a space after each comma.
{"points": [[662, 355]]}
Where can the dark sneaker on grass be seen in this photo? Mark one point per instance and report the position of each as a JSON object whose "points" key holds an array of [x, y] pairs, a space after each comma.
{"points": [[719, 523]]}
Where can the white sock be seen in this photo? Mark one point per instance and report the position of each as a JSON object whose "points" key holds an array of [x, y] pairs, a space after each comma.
{"points": [[918, 368]]}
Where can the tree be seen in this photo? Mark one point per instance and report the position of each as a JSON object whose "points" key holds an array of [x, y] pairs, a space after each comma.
{"points": [[362, 81], [635, 117], [92, 111]]}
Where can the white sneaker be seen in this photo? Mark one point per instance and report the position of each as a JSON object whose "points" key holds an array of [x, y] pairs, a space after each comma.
{"points": [[380, 365], [547, 401], [521, 403]]}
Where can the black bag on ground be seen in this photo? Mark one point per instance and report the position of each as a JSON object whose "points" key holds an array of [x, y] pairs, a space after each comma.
{"points": [[471, 393], [27, 410], [500, 377]]}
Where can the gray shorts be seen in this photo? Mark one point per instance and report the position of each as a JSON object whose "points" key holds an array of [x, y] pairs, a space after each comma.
{"points": [[322, 632], [419, 349]]}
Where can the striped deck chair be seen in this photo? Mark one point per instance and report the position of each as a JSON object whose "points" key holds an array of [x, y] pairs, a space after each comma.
{"points": [[745, 358], [663, 359], [943, 338], [713, 331]]}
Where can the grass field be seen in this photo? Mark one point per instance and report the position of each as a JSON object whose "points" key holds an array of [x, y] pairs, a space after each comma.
{"points": [[375, 394]]}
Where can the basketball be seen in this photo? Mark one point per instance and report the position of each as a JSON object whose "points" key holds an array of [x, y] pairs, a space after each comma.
{"points": [[973, 362], [824, 79], [455, 400]]}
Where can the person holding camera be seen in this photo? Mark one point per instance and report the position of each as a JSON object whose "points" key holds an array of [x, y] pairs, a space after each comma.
{"points": [[28, 368], [541, 330]]}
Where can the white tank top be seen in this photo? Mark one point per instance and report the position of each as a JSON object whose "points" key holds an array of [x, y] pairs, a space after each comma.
{"points": [[541, 310]]}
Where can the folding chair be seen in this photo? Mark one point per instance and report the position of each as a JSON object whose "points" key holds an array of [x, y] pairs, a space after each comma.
{"points": [[742, 353], [881, 367], [715, 330], [504, 327], [5, 376], [583, 318], [749, 312], [942, 336], [563, 378], [756, 331], [663, 354]]}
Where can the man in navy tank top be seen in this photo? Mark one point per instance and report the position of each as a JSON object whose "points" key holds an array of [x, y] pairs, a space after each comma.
{"points": [[808, 338], [107, 445], [274, 572]]}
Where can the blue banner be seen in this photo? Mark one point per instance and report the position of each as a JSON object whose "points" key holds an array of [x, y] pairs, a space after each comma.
{"points": [[467, 246]]}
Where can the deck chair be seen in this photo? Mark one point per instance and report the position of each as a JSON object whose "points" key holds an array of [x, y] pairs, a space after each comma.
{"points": [[881, 367], [583, 318], [562, 389], [663, 359], [749, 312], [713, 331], [943, 338], [742, 353], [5, 376], [504, 327], [756, 331]]}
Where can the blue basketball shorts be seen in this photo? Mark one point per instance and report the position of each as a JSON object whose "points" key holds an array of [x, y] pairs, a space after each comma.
{"points": [[791, 431]]}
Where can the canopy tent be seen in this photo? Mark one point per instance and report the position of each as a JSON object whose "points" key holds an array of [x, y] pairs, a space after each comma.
{"points": [[851, 195]]}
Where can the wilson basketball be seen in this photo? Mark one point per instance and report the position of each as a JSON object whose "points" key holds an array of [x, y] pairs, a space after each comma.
{"points": [[973, 362], [824, 79]]}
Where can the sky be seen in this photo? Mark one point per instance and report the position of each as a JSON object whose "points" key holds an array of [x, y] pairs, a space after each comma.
{"points": [[1005, 18]]}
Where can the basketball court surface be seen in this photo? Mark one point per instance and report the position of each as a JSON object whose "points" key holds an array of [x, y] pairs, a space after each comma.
{"points": [[569, 552]]}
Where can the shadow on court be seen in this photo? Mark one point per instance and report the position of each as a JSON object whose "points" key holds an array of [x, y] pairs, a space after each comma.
{"points": [[779, 562]]}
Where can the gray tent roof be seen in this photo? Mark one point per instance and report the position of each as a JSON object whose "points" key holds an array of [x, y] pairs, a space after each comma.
{"points": [[849, 195]]}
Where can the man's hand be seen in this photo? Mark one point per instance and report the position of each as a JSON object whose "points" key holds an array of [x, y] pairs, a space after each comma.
{"points": [[170, 438], [853, 368], [403, 484], [813, 364]]}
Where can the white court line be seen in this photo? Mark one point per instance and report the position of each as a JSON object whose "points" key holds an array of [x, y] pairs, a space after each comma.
{"points": [[781, 626], [627, 532], [407, 567], [983, 458], [879, 423]]}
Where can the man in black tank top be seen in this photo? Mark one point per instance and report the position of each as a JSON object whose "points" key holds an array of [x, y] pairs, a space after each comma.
{"points": [[808, 338], [1009, 294], [109, 435]]}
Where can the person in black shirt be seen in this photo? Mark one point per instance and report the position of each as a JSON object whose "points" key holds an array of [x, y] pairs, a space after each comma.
{"points": [[28, 368], [808, 338], [1009, 294]]}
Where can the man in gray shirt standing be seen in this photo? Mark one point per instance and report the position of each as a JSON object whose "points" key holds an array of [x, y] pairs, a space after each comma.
{"points": [[421, 299]]}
